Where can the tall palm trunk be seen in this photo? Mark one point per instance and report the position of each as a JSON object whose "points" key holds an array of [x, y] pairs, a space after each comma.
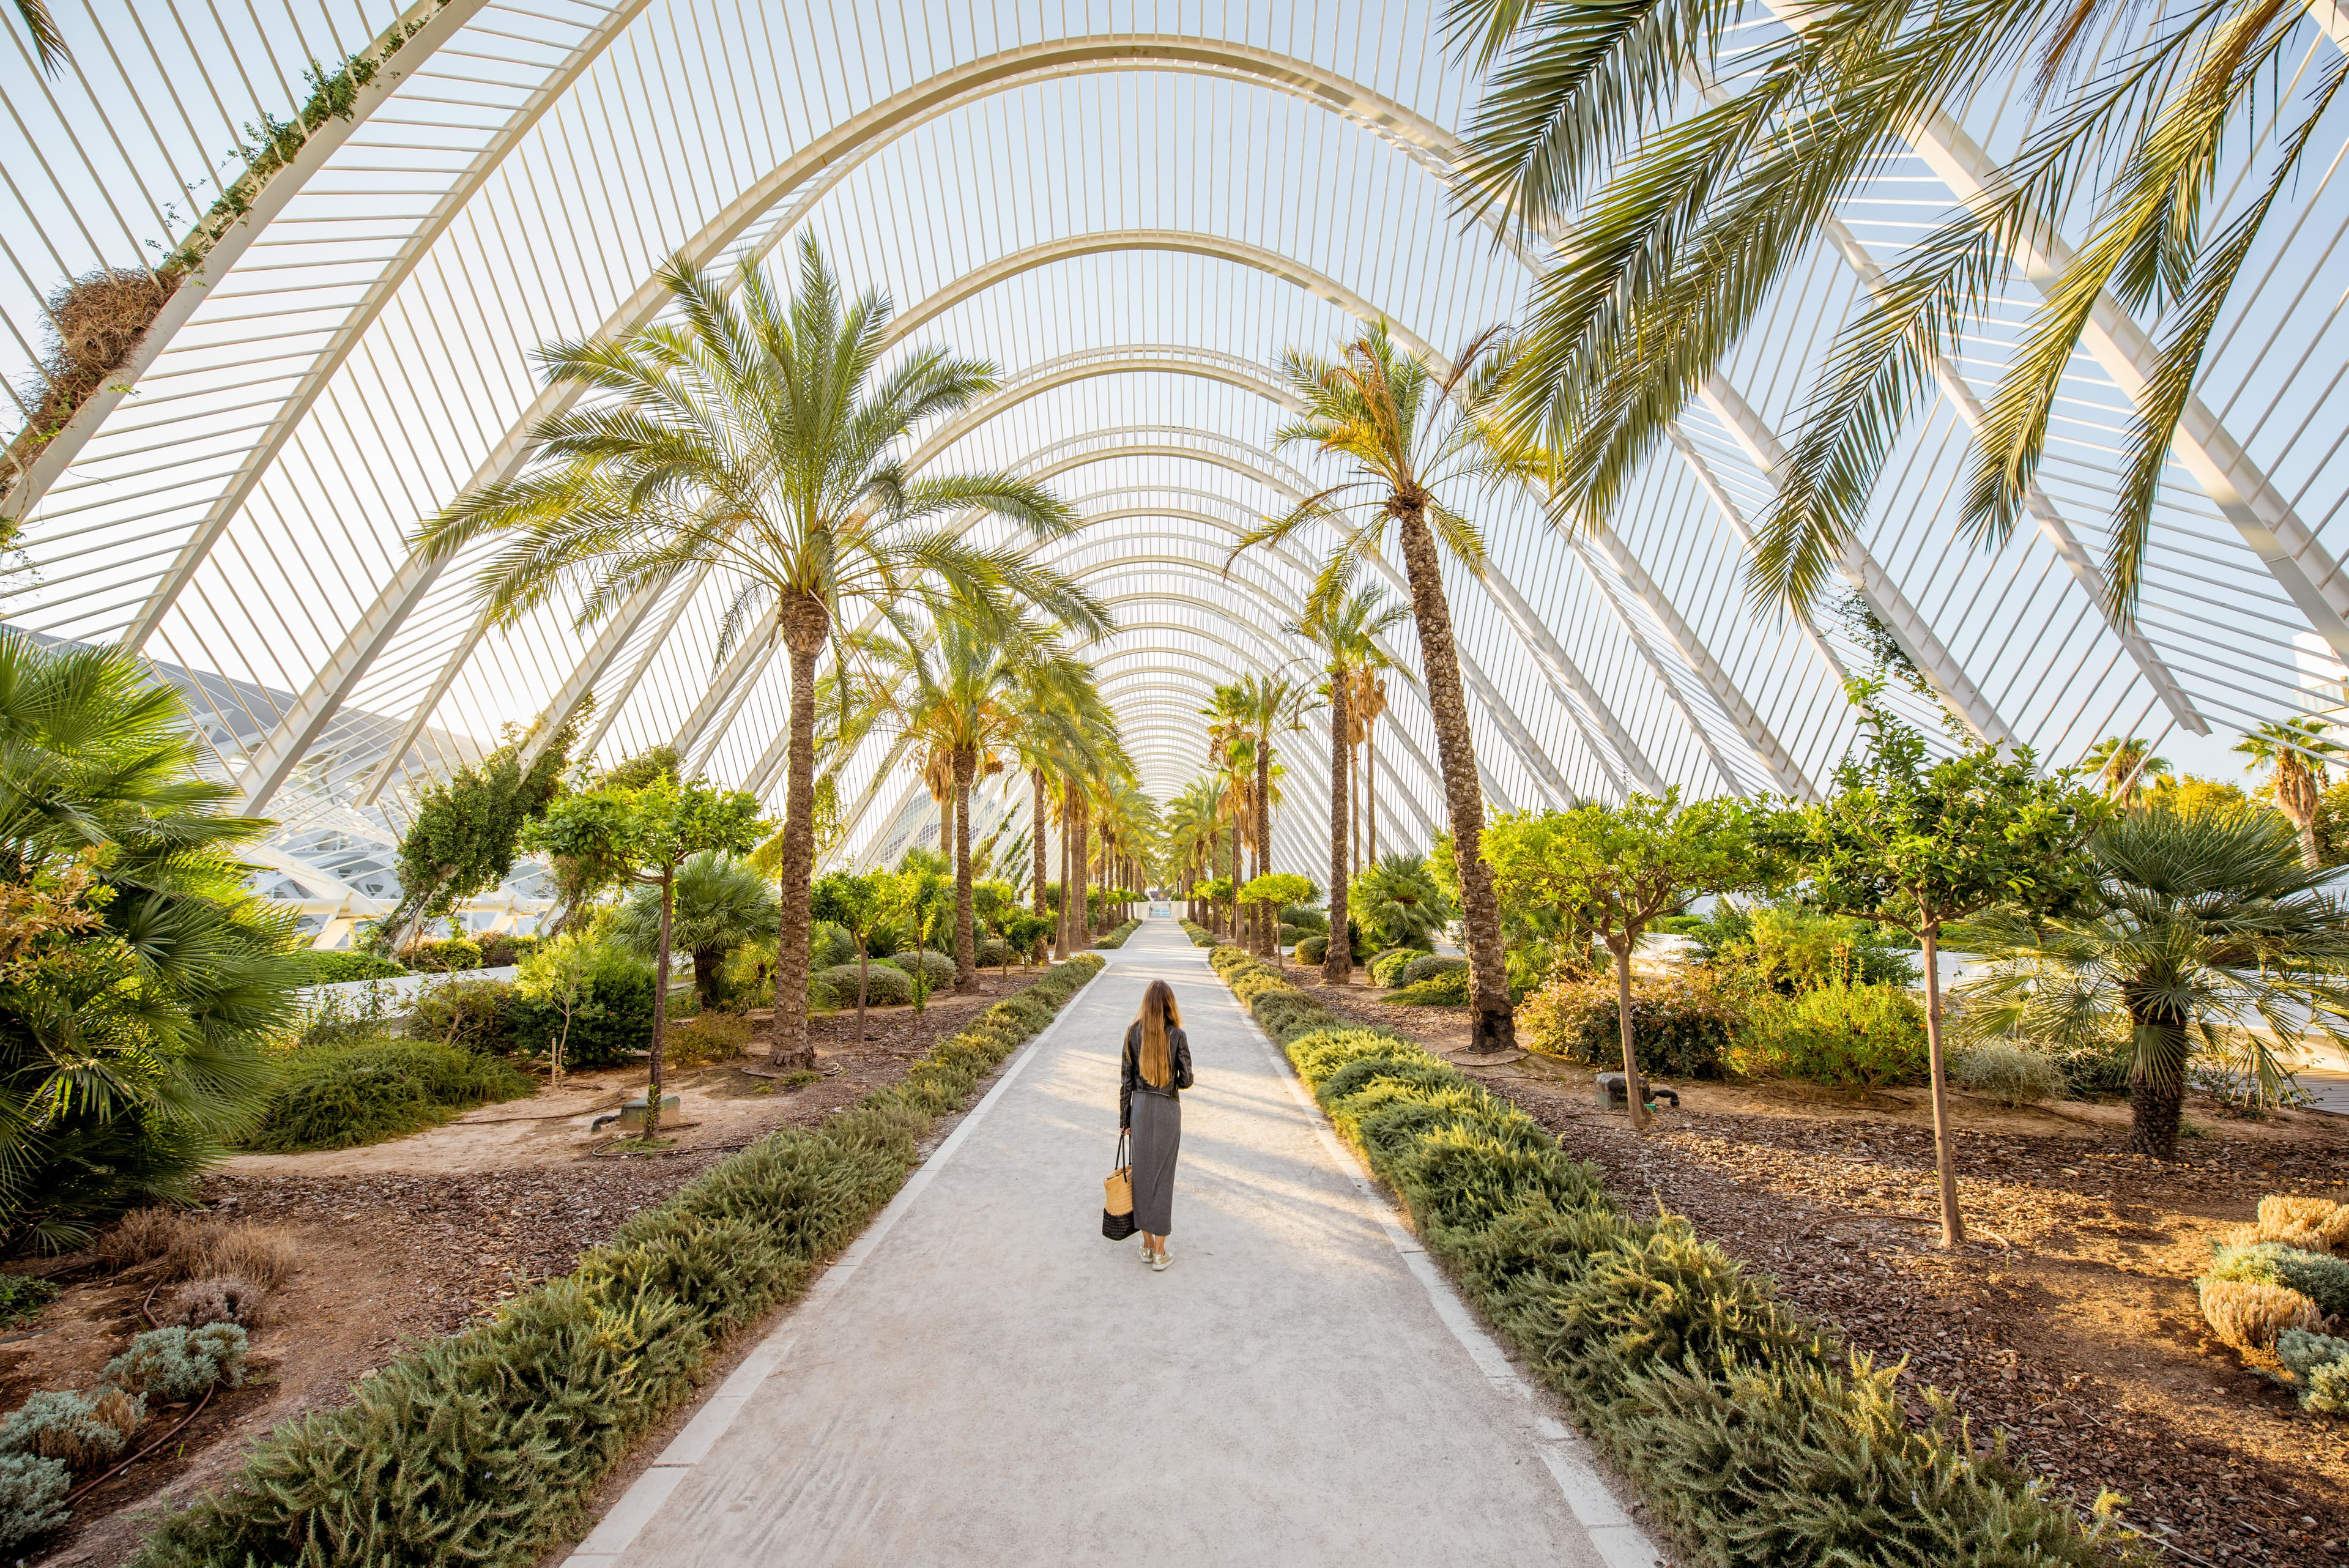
{"points": [[1060, 916], [1081, 928], [805, 621], [1491, 1026], [1371, 786], [1038, 776], [1338, 963], [2296, 793], [966, 763], [1268, 920]]}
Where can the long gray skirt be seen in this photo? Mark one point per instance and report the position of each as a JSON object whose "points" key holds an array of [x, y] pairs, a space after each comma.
{"points": [[1157, 1137]]}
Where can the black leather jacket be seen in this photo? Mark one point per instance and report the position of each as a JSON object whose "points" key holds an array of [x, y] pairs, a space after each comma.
{"points": [[1129, 1080]]}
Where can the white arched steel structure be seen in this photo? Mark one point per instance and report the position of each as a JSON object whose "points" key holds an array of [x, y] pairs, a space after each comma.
{"points": [[1133, 224]]}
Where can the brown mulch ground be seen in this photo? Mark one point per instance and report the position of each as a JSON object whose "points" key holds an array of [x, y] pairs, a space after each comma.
{"points": [[413, 1240], [2069, 1321]]}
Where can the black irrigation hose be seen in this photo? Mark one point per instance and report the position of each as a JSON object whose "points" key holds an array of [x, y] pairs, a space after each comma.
{"points": [[142, 1453]]}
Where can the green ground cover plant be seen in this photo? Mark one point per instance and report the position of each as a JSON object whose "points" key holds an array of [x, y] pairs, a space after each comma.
{"points": [[364, 1090], [333, 969], [1116, 939], [482, 1449], [1755, 1436], [1200, 935]]}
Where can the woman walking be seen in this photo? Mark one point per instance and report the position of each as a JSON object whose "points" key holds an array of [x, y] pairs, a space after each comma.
{"points": [[1156, 1069]]}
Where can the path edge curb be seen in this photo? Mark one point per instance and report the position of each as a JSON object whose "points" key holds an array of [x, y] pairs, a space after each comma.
{"points": [[1564, 1452]]}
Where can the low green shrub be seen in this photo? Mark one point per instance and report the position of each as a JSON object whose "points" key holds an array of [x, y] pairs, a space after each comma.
{"points": [[83, 1431], [32, 1497], [1312, 949], [1428, 965], [445, 956], [1754, 1438], [334, 968], [484, 1447], [503, 949], [2316, 1366], [22, 1297], [1787, 948], [706, 1037], [611, 1018], [1200, 935], [1684, 1026], [2319, 1277], [1850, 1037], [830, 944], [469, 1015], [2015, 1073], [365, 1090], [936, 967], [1445, 988], [885, 985], [1386, 967], [173, 1365], [1116, 939], [994, 952]]}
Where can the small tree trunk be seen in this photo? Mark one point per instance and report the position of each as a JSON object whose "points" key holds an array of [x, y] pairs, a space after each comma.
{"points": [[966, 936], [1338, 962], [1036, 775], [1945, 1157], [1061, 915], [1635, 1089], [660, 1008], [707, 963], [805, 620], [1492, 1026], [864, 971]]}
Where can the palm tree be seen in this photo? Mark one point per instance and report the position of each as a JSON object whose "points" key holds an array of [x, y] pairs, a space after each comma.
{"points": [[49, 43], [2200, 920], [2125, 767], [719, 904], [1405, 435], [1190, 831], [1271, 705], [1059, 709], [1402, 902], [756, 435], [141, 982], [1683, 231], [1346, 629], [2296, 751]]}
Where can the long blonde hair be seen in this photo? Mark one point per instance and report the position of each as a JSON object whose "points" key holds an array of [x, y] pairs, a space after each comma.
{"points": [[1158, 1014]]}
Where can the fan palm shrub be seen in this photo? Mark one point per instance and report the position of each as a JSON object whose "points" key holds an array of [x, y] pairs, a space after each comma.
{"points": [[2198, 922], [1399, 904], [141, 981], [758, 433], [1687, 218], [1398, 428], [720, 904]]}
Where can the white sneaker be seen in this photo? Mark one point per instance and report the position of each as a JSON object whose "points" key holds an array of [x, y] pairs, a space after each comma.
{"points": [[1158, 1264]]}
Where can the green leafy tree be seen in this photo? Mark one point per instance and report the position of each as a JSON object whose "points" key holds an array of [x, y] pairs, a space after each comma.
{"points": [[1271, 893], [1913, 843], [467, 827], [720, 904], [919, 897], [653, 829], [141, 981], [1615, 870], [853, 904], [561, 972], [2198, 920], [761, 432]]}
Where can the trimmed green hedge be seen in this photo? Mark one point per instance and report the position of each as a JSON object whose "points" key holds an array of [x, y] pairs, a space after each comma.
{"points": [[1116, 939], [1200, 935], [1758, 1440], [483, 1449], [334, 968]]}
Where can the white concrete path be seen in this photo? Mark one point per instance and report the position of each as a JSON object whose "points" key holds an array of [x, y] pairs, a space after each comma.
{"points": [[982, 1379]]}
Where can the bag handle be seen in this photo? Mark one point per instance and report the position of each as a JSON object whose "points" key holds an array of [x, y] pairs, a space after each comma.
{"points": [[1122, 1161]]}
